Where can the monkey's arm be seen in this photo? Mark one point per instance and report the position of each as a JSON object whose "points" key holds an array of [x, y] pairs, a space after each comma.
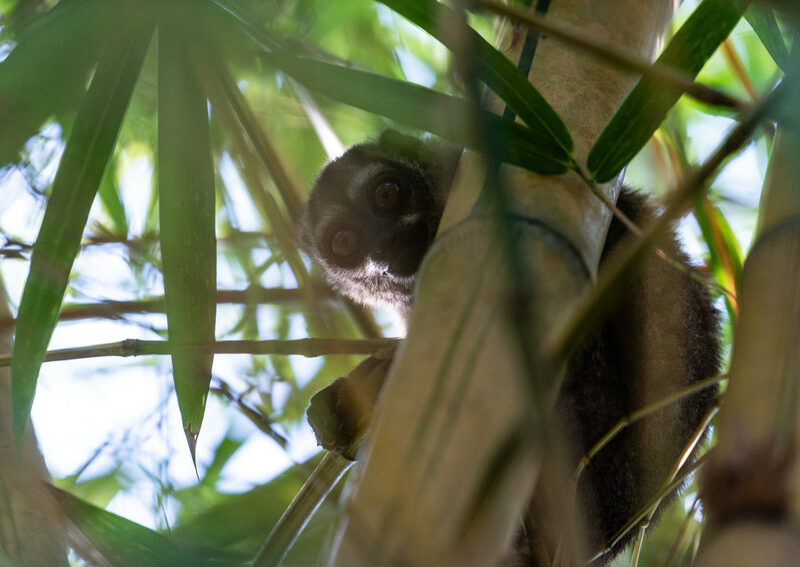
{"points": [[339, 413]]}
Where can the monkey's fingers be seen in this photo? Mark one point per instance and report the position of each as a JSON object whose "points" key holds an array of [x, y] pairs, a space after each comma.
{"points": [[340, 413]]}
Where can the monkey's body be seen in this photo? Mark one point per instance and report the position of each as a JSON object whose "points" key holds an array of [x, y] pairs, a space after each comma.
{"points": [[659, 337]]}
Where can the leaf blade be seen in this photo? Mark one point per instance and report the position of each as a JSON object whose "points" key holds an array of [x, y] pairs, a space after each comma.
{"points": [[186, 201], [492, 67], [648, 103], [85, 158], [123, 543], [425, 109]]}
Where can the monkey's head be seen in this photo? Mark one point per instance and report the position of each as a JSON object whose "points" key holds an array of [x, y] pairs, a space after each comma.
{"points": [[371, 216]]}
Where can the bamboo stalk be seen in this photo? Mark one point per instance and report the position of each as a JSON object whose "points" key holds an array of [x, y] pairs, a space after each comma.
{"points": [[665, 75]]}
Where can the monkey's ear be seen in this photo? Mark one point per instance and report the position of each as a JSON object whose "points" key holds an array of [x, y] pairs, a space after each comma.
{"points": [[395, 142]]}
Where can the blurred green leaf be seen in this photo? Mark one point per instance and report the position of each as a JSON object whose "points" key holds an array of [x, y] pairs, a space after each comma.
{"points": [[494, 68], [19, 12], [244, 520], [197, 498], [85, 158], [46, 73], [225, 450], [647, 105], [186, 203], [762, 18], [98, 491], [425, 109], [122, 543]]}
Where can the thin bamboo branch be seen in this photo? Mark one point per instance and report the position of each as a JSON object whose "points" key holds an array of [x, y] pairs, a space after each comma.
{"points": [[15, 248], [232, 237], [673, 551], [250, 149], [137, 347], [736, 66], [115, 309], [665, 75], [645, 510], [687, 452], [257, 418], [264, 148], [637, 546], [327, 137]]}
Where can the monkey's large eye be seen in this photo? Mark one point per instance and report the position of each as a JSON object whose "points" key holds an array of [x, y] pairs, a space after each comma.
{"points": [[386, 195], [344, 243]]}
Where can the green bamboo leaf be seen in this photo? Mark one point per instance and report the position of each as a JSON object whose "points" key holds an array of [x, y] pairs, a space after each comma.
{"points": [[492, 67], [647, 105], [186, 216], [123, 543], [425, 109], [762, 19], [85, 157], [66, 41]]}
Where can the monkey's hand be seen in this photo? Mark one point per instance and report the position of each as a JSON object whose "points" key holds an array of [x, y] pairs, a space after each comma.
{"points": [[340, 413]]}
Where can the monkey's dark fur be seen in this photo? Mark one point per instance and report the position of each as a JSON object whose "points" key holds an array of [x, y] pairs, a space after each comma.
{"points": [[373, 213]]}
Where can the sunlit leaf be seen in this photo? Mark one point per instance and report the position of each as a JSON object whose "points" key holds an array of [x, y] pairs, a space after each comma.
{"points": [[98, 490], [425, 109], [491, 66], [647, 105], [85, 158], [186, 203]]}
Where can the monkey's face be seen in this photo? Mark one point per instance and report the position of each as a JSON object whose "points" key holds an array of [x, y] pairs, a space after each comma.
{"points": [[370, 218]]}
